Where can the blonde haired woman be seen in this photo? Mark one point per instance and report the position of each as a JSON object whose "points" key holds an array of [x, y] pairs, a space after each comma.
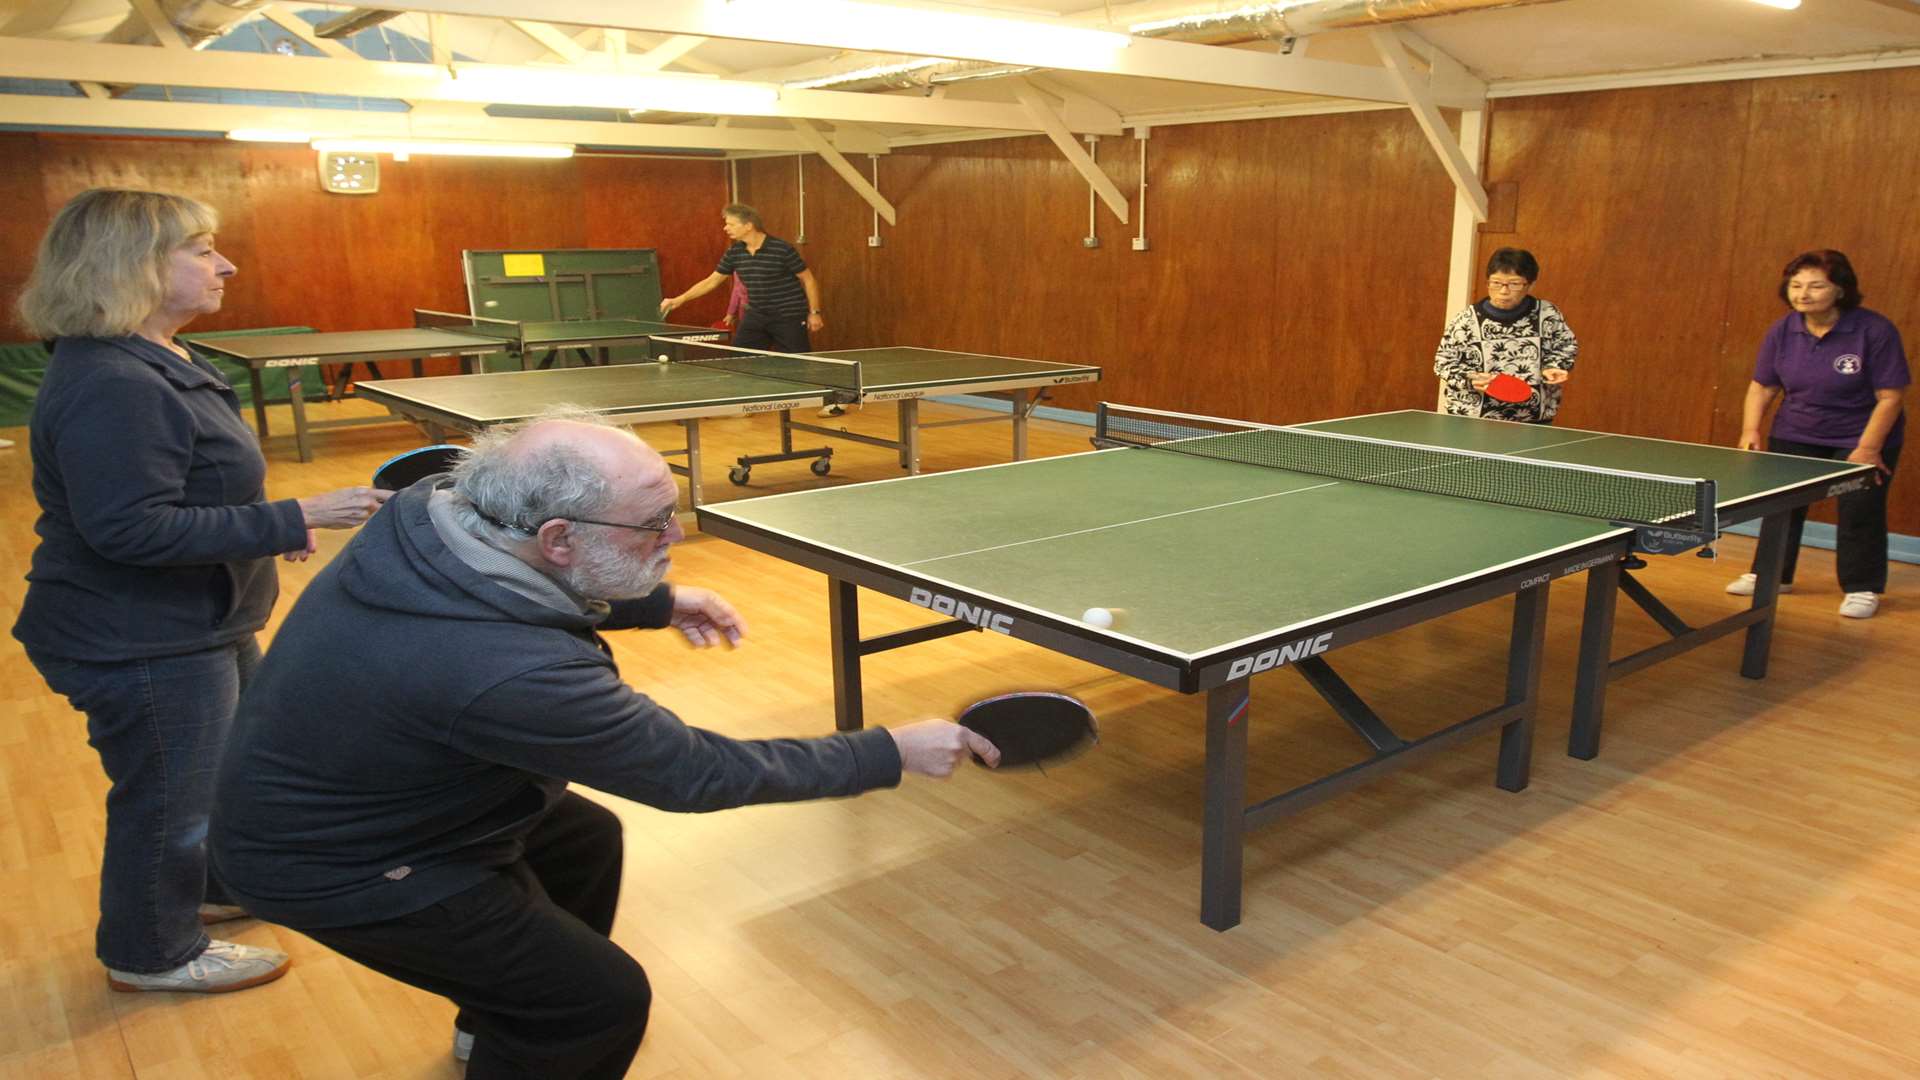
{"points": [[155, 563]]}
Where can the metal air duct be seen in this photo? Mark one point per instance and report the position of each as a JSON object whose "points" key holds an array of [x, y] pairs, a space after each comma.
{"points": [[1253, 22]]}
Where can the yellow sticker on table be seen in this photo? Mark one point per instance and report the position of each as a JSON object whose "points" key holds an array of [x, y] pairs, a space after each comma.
{"points": [[524, 265]]}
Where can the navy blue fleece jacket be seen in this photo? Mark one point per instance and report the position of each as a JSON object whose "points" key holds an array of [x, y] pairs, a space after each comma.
{"points": [[155, 534], [414, 719]]}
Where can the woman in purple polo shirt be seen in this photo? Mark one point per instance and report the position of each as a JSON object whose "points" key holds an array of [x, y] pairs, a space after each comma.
{"points": [[1843, 370]]}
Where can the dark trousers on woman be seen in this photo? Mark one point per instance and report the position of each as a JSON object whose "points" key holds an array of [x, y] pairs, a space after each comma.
{"points": [[1860, 537], [159, 725], [526, 956], [775, 333]]}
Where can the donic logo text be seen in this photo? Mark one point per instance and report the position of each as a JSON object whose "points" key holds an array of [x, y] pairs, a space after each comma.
{"points": [[982, 617], [1274, 657]]}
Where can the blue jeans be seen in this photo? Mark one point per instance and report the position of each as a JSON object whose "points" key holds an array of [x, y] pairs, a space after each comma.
{"points": [[159, 726]]}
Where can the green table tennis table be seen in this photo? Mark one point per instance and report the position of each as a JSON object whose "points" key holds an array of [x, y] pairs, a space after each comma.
{"points": [[435, 334], [698, 380], [1235, 549]]}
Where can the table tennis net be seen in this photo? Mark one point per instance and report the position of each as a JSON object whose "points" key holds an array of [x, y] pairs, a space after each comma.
{"points": [[478, 325], [822, 371], [1615, 495]]}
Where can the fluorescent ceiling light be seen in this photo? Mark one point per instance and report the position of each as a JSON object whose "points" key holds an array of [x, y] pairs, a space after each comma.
{"points": [[398, 147], [892, 28], [1783, 5], [268, 135], [498, 84]]}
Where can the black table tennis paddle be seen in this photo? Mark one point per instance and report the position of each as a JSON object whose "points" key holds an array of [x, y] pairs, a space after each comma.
{"points": [[401, 470], [1032, 727]]}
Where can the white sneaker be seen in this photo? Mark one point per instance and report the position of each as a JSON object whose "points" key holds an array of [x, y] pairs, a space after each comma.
{"points": [[1860, 605], [462, 1044], [1743, 585], [224, 966], [833, 410], [6, 444]]}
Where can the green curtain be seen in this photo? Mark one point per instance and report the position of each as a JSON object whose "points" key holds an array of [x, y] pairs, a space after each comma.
{"points": [[22, 366]]}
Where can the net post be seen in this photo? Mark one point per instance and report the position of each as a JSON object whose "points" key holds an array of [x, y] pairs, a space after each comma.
{"points": [[1707, 510]]}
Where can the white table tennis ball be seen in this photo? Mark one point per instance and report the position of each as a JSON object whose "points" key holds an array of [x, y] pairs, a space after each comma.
{"points": [[661, 359], [1097, 616]]}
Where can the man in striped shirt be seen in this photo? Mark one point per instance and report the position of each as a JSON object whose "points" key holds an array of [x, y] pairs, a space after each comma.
{"points": [[783, 299]]}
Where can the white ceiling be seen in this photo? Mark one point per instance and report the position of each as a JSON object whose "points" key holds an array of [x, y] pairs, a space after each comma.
{"points": [[47, 45]]}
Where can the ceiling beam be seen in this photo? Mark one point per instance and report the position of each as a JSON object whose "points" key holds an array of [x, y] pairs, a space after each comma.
{"points": [[1145, 57], [673, 48], [437, 38], [145, 65], [163, 29], [1465, 174], [302, 29], [551, 39], [33, 111], [1083, 162], [1085, 104], [839, 164]]}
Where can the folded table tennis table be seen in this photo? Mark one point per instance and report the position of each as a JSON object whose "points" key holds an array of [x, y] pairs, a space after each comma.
{"points": [[1234, 549], [693, 380]]}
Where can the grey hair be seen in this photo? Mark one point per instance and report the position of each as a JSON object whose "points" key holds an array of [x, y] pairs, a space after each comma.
{"points": [[526, 489], [745, 215], [101, 269]]}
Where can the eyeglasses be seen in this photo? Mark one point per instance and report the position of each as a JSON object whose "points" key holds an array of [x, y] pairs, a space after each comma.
{"points": [[1496, 285], [659, 524]]}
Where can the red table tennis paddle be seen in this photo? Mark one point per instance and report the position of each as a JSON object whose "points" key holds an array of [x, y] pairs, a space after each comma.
{"points": [[401, 470], [1031, 727], [1508, 388]]}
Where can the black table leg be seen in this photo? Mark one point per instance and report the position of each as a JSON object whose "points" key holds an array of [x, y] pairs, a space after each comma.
{"points": [[1768, 562], [1226, 812], [843, 616]]}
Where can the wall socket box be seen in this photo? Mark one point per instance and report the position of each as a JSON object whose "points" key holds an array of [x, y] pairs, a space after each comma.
{"points": [[1140, 244], [1089, 241], [874, 240]]}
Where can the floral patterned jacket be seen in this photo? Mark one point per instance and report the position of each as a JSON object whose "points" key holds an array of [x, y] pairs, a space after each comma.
{"points": [[1473, 342]]}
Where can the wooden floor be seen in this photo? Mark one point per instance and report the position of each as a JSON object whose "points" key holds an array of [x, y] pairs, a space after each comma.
{"points": [[1731, 890]]}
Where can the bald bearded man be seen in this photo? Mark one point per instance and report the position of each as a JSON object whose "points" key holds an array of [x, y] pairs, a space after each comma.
{"points": [[396, 782]]}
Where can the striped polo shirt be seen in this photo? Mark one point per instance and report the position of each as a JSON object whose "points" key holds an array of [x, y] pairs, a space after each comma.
{"points": [[769, 275]]}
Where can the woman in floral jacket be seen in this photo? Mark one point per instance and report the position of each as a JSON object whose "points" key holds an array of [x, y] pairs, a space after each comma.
{"points": [[1510, 332]]}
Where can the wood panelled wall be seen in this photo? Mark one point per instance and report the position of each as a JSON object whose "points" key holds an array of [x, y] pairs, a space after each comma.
{"points": [[1298, 265], [1297, 270], [343, 262], [1284, 279]]}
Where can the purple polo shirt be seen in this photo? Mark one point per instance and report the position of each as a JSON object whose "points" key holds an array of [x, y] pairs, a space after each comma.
{"points": [[1830, 380]]}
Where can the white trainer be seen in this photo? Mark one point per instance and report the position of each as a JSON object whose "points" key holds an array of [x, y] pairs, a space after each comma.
{"points": [[1860, 605], [833, 410], [223, 967], [1743, 585]]}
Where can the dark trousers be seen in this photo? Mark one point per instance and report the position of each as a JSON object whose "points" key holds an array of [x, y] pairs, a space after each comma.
{"points": [[526, 956], [777, 333], [1860, 540], [159, 725]]}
